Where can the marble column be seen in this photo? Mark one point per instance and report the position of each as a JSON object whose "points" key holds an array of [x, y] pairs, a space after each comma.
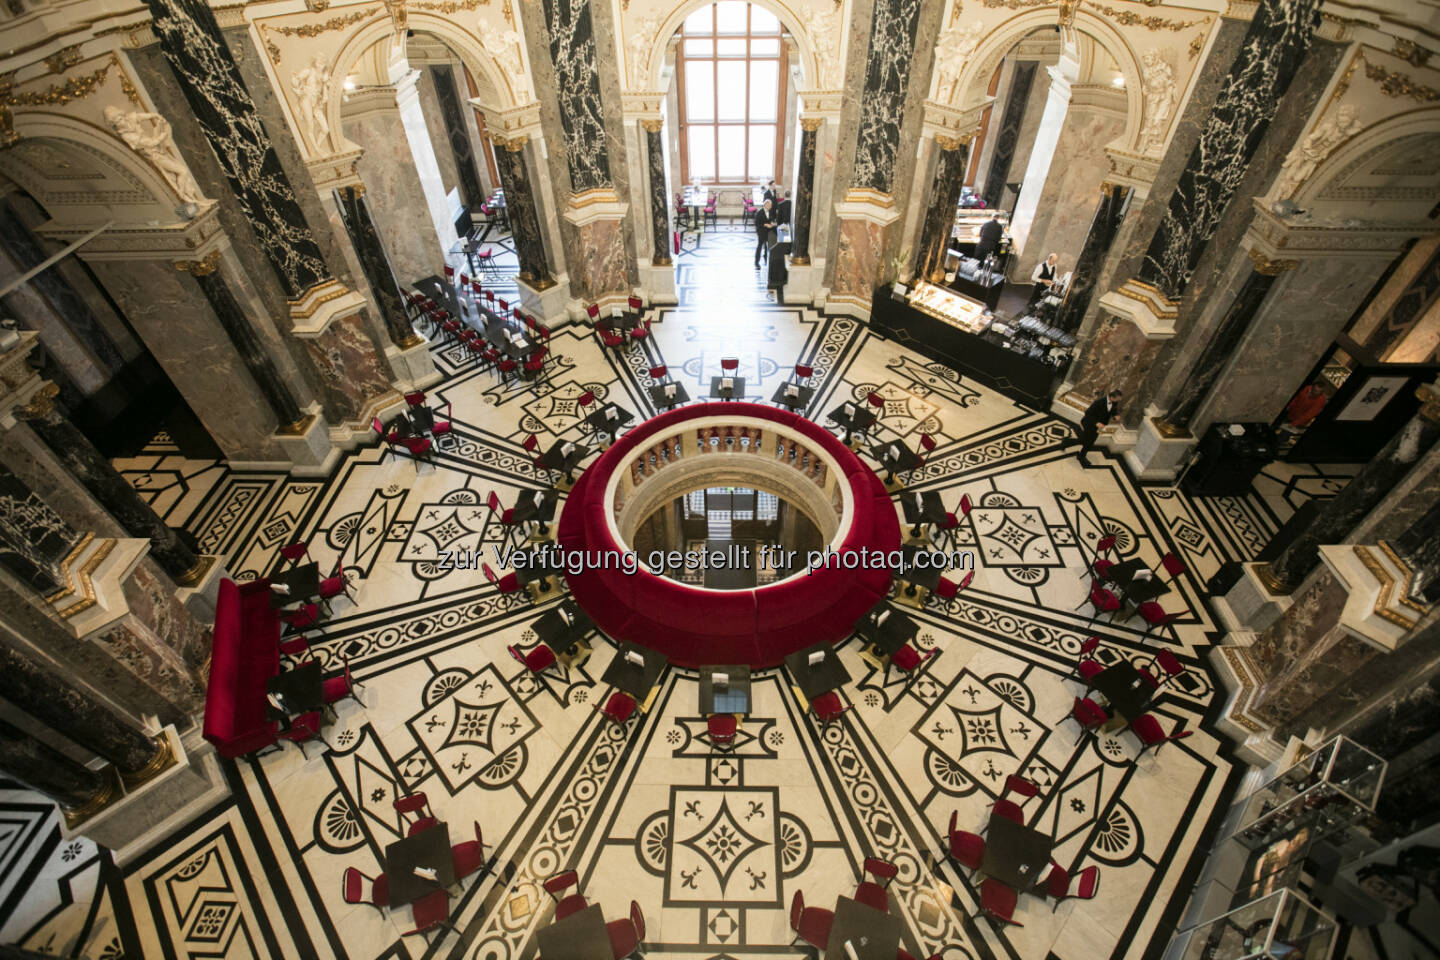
{"points": [[571, 28], [520, 205], [371, 253], [1226, 337], [247, 343], [455, 132], [38, 691], [804, 192], [659, 192], [77, 789], [1338, 516], [112, 491], [1419, 546], [944, 199], [890, 57], [1008, 136], [1274, 46], [196, 51], [1109, 215], [34, 539]]}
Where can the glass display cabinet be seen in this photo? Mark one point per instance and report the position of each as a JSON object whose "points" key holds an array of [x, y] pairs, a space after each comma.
{"points": [[1283, 925]]}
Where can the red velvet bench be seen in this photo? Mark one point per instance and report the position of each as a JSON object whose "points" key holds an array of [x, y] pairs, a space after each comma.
{"points": [[245, 655]]}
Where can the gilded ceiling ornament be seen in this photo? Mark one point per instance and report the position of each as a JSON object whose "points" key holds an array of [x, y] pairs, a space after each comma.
{"points": [[1196, 45], [1128, 18], [202, 267], [316, 29], [508, 11], [1270, 268], [1395, 84], [63, 60], [42, 402], [399, 15], [1015, 4], [1411, 52]]}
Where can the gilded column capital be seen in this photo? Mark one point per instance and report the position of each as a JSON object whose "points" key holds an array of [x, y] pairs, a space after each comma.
{"points": [[41, 403], [1429, 394], [652, 124], [811, 124], [1270, 268], [513, 145], [948, 144], [203, 267]]}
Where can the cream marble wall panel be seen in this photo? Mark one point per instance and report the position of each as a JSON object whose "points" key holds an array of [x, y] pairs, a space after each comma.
{"points": [[435, 126], [399, 206], [352, 367]]}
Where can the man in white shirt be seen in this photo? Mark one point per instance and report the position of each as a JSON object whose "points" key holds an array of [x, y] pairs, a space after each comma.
{"points": [[1047, 272]]}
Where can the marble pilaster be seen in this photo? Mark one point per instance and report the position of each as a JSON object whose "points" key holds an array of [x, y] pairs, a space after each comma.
{"points": [[1042, 154], [457, 136], [373, 260], [1340, 515], [1007, 136], [571, 28], [110, 489], [35, 541], [944, 198], [889, 59], [211, 82], [217, 293], [804, 191], [659, 193], [520, 204], [1419, 546], [1104, 226], [44, 695], [1274, 46], [77, 789]]}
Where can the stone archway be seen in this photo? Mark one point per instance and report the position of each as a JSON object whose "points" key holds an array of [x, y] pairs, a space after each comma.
{"points": [[1387, 169], [645, 47]]}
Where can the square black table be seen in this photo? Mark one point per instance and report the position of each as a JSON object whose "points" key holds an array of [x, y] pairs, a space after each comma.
{"points": [[897, 630], [303, 581], [538, 565], [526, 509], [580, 936], [661, 401], [602, 421], [799, 402], [298, 689], [429, 848], [442, 293], [829, 674], [717, 392], [557, 459], [1015, 854], [422, 419], [631, 678], [921, 508], [1127, 691], [857, 421], [902, 460], [1137, 588], [914, 576], [874, 934], [734, 697], [558, 634]]}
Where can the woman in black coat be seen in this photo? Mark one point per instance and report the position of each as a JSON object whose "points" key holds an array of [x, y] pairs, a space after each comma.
{"points": [[764, 223]]}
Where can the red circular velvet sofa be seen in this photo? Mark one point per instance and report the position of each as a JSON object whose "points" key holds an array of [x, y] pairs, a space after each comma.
{"points": [[758, 626]]}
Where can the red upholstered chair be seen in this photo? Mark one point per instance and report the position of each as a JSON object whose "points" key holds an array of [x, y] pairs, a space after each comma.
{"points": [[535, 363], [965, 505], [302, 730], [721, 729], [294, 552], [659, 373], [804, 373], [419, 448], [1088, 714], [626, 933], [1059, 885], [303, 617], [449, 274], [416, 399], [610, 338], [504, 515], [966, 849], [1100, 564], [585, 399], [1172, 666], [336, 584], [873, 894], [443, 428], [810, 924], [728, 365], [593, 311], [927, 442], [557, 885], [948, 528], [828, 707], [507, 584], [907, 659], [1009, 809], [340, 687], [998, 901], [1089, 670], [352, 889], [1172, 565], [636, 304], [468, 856], [431, 911], [1101, 599], [619, 708], [875, 400], [532, 446], [295, 647], [390, 439], [640, 331], [538, 660], [1151, 734], [1154, 616], [418, 806], [1150, 679]]}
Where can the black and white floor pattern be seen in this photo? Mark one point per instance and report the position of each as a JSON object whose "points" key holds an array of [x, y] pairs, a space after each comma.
{"points": [[712, 847]]}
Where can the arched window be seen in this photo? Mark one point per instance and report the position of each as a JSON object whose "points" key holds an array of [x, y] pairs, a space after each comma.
{"points": [[732, 93]]}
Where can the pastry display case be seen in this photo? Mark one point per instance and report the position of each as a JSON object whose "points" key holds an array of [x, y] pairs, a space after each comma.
{"points": [[1283, 926], [958, 311]]}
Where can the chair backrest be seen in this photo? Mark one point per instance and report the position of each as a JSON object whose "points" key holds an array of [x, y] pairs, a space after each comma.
{"points": [[797, 908], [416, 398], [803, 371], [1022, 786], [515, 652], [352, 885], [883, 869], [1089, 646], [561, 881], [1169, 663], [417, 445], [593, 310], [1106, 543], [293, 551], [637, 918], [1148, 729], [1087, 883], [729, 363], [531, 442], [1173, 565], [927, 441], [411, 803], [874, 399], [493, 501], [1150, 679], [965, 504], [490, 575], [966, 581], [377, 427], [636, 303], [658, 373], [586, 398]]}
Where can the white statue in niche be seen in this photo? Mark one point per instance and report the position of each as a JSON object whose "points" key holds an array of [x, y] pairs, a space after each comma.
{"points": [[1312, 151], [955, 46], [1159, 80], [311, 86], [148, 134]]}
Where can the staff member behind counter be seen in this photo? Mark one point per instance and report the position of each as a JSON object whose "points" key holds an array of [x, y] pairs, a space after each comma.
{"points": [[1044, 277]]}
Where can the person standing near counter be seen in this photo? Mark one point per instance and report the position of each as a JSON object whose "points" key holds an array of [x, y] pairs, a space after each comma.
{"points": [[1044, 278], [782, 206], [764, 223], [991, 233]]}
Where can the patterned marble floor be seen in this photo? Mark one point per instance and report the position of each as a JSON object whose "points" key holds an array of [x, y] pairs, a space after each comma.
{"points": [[713, 848]]}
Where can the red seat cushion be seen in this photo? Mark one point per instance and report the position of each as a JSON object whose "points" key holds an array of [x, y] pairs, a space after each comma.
{"points": [[1009, 810], [623, 940], [873, 895]]}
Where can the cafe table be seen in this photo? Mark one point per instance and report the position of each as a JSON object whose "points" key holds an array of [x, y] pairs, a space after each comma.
{"points": [[855, 419], [829, 674], [734, 697], [917, 577], [298, 690], [1136, 581], [793, 396], [303, 581], [428, 849], [1124, 689], [874, 934], [632, 678], [1015, 853], [528, 509], [608, 420], [895, 457], [560, 634], [580, 936], [556, 458], [665, 395], [920, 509], [718, 390], [891, 633]]}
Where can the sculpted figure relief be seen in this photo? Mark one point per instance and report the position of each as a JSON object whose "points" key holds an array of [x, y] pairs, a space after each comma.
{"points": [[956, 45], [504, 46], [1159, 79], [1312, 151], [638, 50], [822, 27], [148, 134], [311, 86]]}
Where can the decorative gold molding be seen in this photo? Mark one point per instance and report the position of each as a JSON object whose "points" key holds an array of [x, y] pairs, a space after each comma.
{"points": [[414, 340], [106, 795], [311, 305], [799, 261], [1168, 430], [1395, 84], [297, 428], [652, 124], [316, 29], [203, 267], [1411, 52], [1162, 306], [811, 124], [78, 581], [1128, 18], [1429, 396], [1272, 583], [1270, 268], [41, 402], [163, 760], [62, 60], [948, 144], [1387, 587], [59, 94], [1240, 664], [196, 573], [511, 145]]}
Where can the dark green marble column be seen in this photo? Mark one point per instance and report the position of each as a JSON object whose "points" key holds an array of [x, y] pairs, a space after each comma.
{"points": [[376, 264], [944, 199], [520, 205], [659, 195], [41, 768], [804, 191]]}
